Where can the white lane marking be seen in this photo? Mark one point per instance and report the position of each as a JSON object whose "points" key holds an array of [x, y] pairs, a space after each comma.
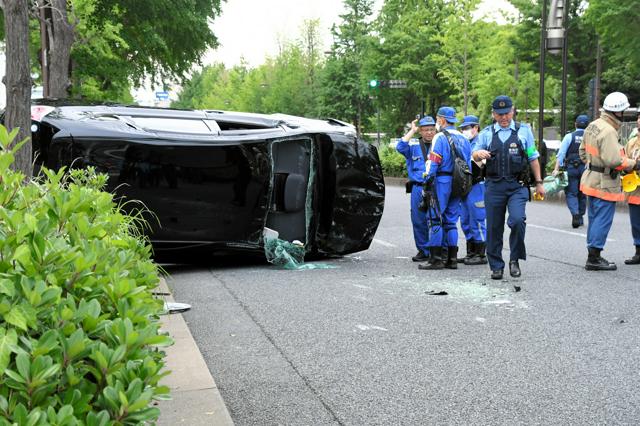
{"points": [[562, 231], [384, 243], [361, 286], [402, 257], [369, 327]]}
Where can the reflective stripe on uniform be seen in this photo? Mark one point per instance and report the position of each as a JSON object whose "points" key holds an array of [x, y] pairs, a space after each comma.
{"points": [[591, 150], [633, 199], [608, 196]]}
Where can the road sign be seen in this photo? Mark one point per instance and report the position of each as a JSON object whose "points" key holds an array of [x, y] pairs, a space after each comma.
{"points": [[397, 84], [162, 96]]}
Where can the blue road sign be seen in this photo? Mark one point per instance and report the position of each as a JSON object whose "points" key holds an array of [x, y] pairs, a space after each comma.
{"points": [[162, 95]]}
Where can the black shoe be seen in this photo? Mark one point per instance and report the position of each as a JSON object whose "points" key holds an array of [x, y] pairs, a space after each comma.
{"points": [[435, 259], [575, 220], [514, 269], [635, 259], [420, 257], [595, 262], [497, 274]]}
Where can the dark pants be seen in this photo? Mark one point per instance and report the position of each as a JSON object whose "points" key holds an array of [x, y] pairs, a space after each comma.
{"points": [[419, 221], [501, 196], [634, 216], [600, 219], [576, 200]]}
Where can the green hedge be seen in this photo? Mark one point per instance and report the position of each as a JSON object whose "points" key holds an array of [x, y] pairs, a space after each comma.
{"points": [[393, 163], [79, 326]]}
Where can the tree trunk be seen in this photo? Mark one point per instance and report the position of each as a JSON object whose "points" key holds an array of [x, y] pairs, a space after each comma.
{"points": [[18, 79], [61, 38]]}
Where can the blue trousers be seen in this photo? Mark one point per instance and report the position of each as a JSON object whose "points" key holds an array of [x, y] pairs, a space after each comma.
{"points": [[502, 196], [600, 219], [444, 230], [473, 214], [634, 216], [576, 200], [419, 221]]}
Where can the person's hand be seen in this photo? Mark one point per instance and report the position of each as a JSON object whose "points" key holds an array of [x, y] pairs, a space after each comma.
{"points": [[414, 125], [482, 154], [555, 172], [540, 189]]}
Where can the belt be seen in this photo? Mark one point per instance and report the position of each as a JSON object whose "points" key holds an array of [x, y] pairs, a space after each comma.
{"points": [[599, 169]]}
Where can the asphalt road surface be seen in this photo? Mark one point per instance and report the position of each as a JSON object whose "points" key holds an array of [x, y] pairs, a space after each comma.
{"points": [[364, 344]]}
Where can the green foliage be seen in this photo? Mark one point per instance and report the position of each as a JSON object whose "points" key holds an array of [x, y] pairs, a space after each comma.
{"points": [[287, 83], [79, 330], [393, 163]]}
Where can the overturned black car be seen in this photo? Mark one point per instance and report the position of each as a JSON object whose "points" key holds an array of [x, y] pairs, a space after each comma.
{"points": [[218, 181]]}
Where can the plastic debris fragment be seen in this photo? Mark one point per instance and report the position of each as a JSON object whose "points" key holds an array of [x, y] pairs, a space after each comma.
{"points": [[289, 255]]}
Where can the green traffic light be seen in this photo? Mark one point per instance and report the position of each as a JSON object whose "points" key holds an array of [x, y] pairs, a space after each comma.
{"points": [[373, 83]]}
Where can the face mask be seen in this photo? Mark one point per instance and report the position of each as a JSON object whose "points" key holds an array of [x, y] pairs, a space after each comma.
{"points": [[468, 133]]}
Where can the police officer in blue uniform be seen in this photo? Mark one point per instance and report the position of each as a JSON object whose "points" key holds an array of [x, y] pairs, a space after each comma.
{"points": [[472, 212], [445, 209], [509, 149], [414, 153], [569, 159]]}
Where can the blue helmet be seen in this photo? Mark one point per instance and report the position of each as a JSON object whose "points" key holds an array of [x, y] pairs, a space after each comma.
{"points": [[448, 113], [427, 120], [470, 120]]}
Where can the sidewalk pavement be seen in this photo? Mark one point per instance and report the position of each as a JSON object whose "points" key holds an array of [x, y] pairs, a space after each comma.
{"points": [[195, 397]]}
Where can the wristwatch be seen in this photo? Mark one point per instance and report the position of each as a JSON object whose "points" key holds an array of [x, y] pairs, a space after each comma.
{"points": [[539, 182]]}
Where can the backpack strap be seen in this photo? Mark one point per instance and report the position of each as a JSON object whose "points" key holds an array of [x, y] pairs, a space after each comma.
{"points": [[423, 148]]}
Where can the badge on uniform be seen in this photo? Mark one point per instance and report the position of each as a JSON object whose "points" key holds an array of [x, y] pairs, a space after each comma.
{"points": [[513, 149]]}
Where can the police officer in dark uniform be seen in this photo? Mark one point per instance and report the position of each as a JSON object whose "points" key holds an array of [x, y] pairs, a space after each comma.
{"points": [[414, 152], [509, 149], [569, 159]]}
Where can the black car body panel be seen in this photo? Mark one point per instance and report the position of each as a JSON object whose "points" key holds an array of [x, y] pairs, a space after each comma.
{"points": [[217, 179]]}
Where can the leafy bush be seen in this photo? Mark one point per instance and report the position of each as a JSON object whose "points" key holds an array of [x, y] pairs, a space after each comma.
{"points": [[393, 163], [78, 323]]}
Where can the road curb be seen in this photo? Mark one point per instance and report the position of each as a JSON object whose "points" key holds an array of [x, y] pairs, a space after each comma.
{"points": [[195, 396]]}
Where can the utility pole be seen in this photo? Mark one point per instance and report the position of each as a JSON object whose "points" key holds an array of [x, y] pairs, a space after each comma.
{"points": [[565, 66], [543, 51]]}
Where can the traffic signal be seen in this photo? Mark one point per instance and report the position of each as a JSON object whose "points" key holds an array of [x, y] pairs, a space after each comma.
{"points": [[375, 84]]}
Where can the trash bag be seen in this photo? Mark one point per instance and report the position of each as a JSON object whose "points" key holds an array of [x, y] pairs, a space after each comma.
{"points": [[289, 255], [555, 184]]}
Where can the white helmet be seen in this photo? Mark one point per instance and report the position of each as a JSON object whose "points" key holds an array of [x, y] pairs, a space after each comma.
{"points": [[616, 102]]}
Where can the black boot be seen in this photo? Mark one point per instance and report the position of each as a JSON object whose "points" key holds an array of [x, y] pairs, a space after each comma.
{"points": [[480, 255], [575, 220], [595, 262], [635, 259], [470, 252], [452, 258], [435, 259], [420, 257]]}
